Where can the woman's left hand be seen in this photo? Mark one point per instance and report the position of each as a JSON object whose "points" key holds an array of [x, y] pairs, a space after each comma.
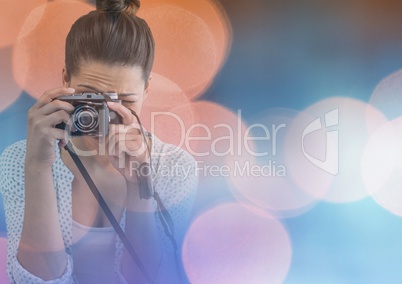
{"points": [[127, 148]]}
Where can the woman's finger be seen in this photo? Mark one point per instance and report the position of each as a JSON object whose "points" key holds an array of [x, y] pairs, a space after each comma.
{"points": [[125, 113], [55, 106], [59, 117], [131, 144], [133, 128], [50, 95], [122, 132]]}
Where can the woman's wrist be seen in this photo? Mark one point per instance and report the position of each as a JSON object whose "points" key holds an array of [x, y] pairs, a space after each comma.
{"points": [[35, 169], [134, 200], [35, 161]]}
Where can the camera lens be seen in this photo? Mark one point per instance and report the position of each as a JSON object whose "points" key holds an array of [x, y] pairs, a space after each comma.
{"points": [[86, 119]]}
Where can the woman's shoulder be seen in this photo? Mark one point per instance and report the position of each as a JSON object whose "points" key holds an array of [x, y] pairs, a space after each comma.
{"points": [[173, 165], [12, 161], [13, 157], [166, 151], [18, 148]]}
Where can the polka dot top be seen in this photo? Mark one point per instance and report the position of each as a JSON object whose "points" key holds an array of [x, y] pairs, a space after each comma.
{"points": [[174, 178]]}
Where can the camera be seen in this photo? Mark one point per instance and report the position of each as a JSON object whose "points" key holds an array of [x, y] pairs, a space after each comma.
{"points": [[91, 116]]}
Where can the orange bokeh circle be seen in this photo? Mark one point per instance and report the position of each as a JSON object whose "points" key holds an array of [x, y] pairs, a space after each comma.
{"points": [[9, 89], [38, 56], [192, 43], [218, 132], [193, 39], [12, 15], [166, 111]]}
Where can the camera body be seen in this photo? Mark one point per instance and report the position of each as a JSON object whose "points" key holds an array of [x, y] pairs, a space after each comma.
{"points": [[91, 116]]}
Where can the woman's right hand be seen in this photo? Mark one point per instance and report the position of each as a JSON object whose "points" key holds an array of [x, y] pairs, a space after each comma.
{"points": [[44, 115]]}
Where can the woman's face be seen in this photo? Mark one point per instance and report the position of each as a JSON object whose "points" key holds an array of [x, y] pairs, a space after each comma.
{"points": [[96, 77]]}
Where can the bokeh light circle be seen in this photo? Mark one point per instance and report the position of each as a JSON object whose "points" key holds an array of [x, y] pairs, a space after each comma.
{"points": [[12, 17], [193, 42], [324, 148], [167, 112], [382, 166], [3, 261], [163, 93], [236, 244], [217, 132], [192, 39], [9, 89], [213, 15], [38, 56], [265, 182], [387, 96]]}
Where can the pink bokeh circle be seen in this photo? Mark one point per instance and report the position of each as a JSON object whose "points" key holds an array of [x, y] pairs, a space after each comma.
{"points": [[3, 261], [236, 244]]}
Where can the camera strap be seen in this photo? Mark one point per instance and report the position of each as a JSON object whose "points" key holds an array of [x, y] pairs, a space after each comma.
{"points": [[146, 191], [163, 213], [108, 212]]}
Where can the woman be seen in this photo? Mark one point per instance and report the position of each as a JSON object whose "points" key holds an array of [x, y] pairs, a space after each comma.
{"points": [[56, 229]]}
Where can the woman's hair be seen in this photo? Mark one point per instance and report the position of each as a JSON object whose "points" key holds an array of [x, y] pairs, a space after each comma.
{"points": [[112, 34]]}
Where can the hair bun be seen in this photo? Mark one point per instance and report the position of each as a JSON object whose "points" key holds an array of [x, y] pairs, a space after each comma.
{"points": [[118, 6]]}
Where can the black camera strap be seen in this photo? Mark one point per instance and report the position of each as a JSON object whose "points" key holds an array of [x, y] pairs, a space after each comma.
{"points": [[108, 212], [163, 213], [147, 192]]}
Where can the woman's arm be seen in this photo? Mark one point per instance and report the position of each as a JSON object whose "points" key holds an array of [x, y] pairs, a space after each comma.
{"points": [[41, 249], [129, 151], [143, 235]]}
